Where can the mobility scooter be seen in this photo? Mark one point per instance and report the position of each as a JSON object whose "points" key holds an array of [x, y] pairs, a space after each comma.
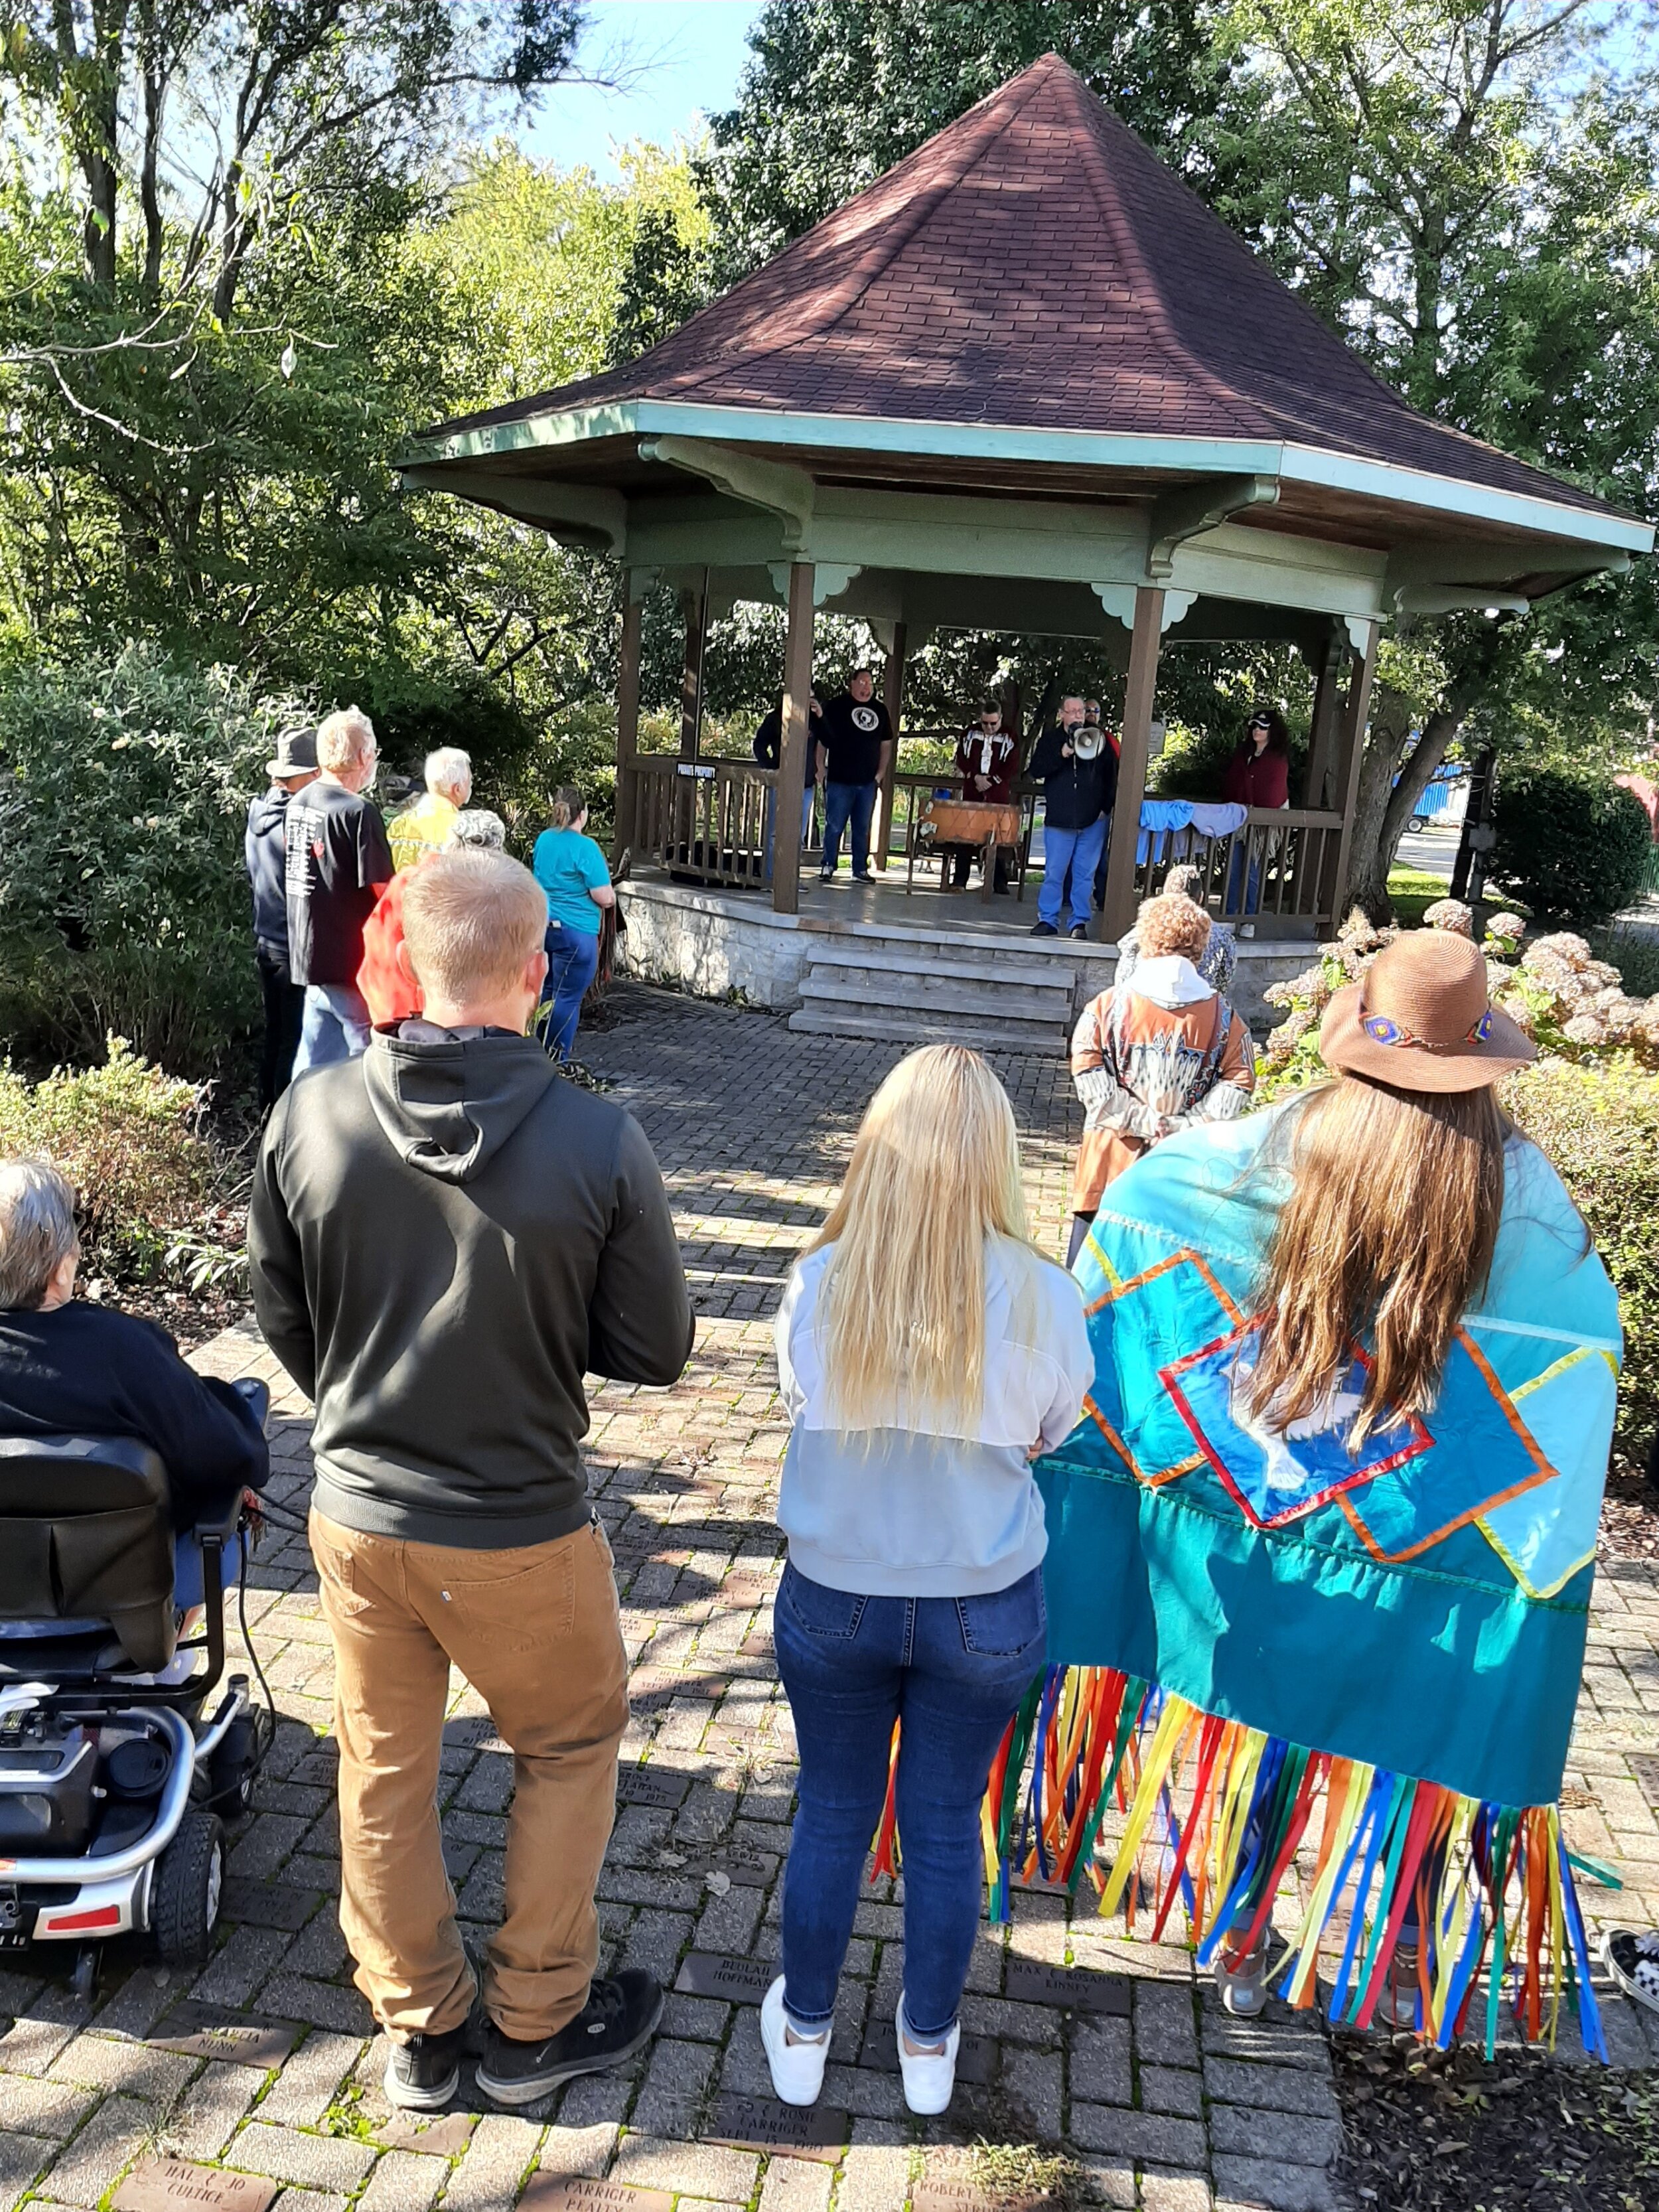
{"points": [[116, 1779]]}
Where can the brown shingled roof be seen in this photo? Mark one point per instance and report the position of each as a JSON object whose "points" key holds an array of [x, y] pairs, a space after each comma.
{"points": [[1035, 266]]}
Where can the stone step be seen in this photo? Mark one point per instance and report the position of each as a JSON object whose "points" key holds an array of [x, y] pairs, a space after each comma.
{"points": [[912, 1029], [1020, 972], [940, 996], [1032, 959]]}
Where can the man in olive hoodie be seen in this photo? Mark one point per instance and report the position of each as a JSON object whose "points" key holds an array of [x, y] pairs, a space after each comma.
{"points": [[446, 1236]]}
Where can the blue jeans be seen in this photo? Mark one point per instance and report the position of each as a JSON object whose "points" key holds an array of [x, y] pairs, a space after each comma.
{"points": [[1080, 850], [807, 799], [953, 1671], [844, 803], [1250, 902], [573, 962], [335, 1026]]}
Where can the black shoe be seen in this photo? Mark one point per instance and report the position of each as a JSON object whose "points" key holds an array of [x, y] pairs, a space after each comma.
{"points": [[866, 878], [826, 875], [619, 2018], [1080, 930], [423, 2074], [1044, 929]]}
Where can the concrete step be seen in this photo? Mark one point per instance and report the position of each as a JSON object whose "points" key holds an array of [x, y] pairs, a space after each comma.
{"points": [[940, 995], [1014, 954], [1020, 970], [912, 1029]]}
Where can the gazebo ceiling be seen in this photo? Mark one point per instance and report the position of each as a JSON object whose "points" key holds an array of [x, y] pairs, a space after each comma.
{"points": [[1032, 329]]}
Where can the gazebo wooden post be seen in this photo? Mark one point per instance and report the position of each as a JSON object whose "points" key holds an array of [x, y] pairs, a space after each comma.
{"points": [[1139, 693], [1349, 755], [697, 637], [1322, 733], [628, 720], [892, 694], [792, 751]]}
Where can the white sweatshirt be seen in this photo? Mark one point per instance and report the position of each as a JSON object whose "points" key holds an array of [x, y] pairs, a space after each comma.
{"points": [[924, 1506]]}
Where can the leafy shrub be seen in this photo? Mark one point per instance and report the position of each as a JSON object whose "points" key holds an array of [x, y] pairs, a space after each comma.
{"points": [[182, 1004], [127, 1136], [1569, 843], [1599, 1123], [124, 790]]}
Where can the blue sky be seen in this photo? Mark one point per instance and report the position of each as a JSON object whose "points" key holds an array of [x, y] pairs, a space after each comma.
{"points": [[679, 59]]}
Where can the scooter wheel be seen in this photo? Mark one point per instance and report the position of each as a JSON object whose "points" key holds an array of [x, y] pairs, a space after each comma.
{"points": [[190, 1878], [230, 1770]]}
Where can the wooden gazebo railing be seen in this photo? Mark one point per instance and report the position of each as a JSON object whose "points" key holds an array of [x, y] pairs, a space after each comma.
{"points": [[706, 821], [1280, 868]]}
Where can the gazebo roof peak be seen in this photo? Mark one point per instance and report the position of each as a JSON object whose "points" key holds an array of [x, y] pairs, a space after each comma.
{"points": [[1034, 266]]}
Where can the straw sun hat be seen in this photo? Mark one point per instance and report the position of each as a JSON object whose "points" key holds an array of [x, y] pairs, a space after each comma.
{"points": [[1420, 1018]]}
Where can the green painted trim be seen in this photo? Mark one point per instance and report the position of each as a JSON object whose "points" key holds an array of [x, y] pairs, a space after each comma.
{"points": [[1381, 480]]}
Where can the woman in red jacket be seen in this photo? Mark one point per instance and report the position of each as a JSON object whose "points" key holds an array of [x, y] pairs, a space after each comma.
{"points": [[1258, 775]]}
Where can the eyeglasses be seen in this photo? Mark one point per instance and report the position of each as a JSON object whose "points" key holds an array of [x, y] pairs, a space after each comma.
{"points": [[1381, 1028]]}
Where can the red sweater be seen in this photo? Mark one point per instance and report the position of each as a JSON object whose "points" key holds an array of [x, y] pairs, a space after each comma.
{"points": [[1254, 778], [391, 996]]}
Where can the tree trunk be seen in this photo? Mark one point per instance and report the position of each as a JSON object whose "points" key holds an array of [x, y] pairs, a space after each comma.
{"points": [[1367, 869], [1385, 807]]}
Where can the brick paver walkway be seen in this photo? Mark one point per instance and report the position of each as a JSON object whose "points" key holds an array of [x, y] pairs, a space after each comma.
{"points": [[1154, 2098]]}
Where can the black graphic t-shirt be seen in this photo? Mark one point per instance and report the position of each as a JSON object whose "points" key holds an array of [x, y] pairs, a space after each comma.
{"points": [[335, 857], [853, 735]]}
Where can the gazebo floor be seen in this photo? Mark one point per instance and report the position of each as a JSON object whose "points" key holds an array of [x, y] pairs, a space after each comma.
{"points": [[872, 960]]}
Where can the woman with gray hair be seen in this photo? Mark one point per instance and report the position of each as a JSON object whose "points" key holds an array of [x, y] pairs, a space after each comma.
{"points": [[1219, 958], [69, 1367]]}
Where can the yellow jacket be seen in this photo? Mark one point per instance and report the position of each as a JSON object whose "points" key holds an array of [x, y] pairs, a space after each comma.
{"points": [[420, 829]]}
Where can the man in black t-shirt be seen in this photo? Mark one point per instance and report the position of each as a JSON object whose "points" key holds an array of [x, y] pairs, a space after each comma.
{"points": [[856, 745], [337, 862]]}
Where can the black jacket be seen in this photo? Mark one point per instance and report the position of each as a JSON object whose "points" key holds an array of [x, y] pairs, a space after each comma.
{"points": [[444, 1238], [86, 1371], [1076, 793], [768, 743], [262, 851]]}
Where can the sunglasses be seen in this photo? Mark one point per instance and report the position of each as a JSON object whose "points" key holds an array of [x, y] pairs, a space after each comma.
{"points": [[1381, 1029]]}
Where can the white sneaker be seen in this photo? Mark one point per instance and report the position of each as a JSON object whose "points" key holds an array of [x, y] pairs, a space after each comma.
{"points": [[798, 2066], [930, 2076]]}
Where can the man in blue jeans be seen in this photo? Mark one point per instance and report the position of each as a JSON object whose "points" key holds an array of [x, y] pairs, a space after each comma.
{"points": [[337, 862], [1079, 783], [855, 743]]}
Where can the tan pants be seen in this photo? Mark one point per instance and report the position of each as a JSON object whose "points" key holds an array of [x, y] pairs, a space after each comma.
{"points": [[536, 1633]]}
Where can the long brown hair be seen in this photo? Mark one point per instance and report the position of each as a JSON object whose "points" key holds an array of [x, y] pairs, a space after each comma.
{"points": [[568, 806], [1390, 1230]]}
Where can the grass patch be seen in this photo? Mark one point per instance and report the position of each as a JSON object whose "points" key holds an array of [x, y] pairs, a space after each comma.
{"points": [[1411, 891]]}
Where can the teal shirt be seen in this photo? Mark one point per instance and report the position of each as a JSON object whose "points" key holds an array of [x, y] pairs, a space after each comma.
{"points": [[567, 866]]}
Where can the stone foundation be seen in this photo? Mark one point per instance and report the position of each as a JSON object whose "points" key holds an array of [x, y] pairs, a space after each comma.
{"points": [[730, 945]]}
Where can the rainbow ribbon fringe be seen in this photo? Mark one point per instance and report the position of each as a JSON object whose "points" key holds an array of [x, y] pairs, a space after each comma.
{"points": [[1215, 1814]]}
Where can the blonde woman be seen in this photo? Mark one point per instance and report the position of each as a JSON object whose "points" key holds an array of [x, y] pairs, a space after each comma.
{"points": [[925, 1353]]}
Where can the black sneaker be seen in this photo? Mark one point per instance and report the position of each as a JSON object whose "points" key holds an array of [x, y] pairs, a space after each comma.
{"points": [[619, 2018], [423, 2074], [1044, 929], [1078, 930]]}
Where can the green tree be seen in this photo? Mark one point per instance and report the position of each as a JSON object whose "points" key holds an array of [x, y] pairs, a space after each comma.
{"points": [[839, 90], [1462, 190]]}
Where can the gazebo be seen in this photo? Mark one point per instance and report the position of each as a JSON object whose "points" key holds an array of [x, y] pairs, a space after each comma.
{"points": [[1026, 382]]}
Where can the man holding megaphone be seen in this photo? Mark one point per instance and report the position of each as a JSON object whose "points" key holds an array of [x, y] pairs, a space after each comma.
{"points": [[1077, 770]]}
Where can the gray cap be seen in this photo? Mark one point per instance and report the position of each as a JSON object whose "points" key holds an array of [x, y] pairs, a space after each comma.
{"points": [[296, 752]]}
